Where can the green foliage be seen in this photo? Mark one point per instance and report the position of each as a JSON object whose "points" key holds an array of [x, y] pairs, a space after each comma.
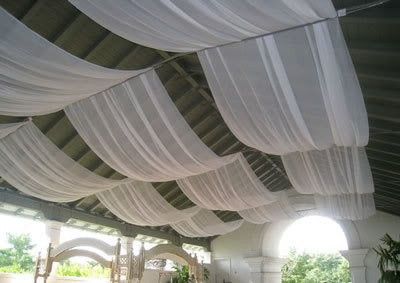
{"points": [[17, 259], [389, 259], [182, 274], [88, 270], [324, 268]]}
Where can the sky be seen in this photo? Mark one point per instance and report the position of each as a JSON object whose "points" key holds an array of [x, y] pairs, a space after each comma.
{"points": [[313, 234]]}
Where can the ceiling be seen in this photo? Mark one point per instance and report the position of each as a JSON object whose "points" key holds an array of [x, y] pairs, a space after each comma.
{"points": [[373, 37]]}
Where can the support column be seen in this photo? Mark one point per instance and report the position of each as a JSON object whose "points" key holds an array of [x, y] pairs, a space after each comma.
{"points": [[266, 269], [127, 243], [53, 233], [356, 263]]}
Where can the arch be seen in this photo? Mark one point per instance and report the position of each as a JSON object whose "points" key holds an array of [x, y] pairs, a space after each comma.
{"points": [[83, 242], [172, 252], [274, 231], [83, 253]]}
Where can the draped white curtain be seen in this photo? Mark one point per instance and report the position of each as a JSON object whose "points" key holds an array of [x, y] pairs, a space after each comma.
{"points": [[139, 203], [30, 162], [276, 211], [234, 186], [6, 129], [338, 170], [296, 90], [181, 25], [37, 77], [346, 206], [205, 224], [136, 129]]}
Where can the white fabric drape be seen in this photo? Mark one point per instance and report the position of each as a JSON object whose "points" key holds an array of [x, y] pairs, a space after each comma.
{"points": [[347, 206], [205, 224], [338, 170], [30, 162], [334, 171], [276, 211], [182, 25], [6, 129], [139, 203], [234, 186], [37, 77], [296, 90], [136, 129]]}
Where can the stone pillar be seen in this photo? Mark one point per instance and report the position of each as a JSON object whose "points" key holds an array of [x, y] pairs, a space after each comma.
{"points": [[53, 232], [265, 269], [356, 263], [127, 243]]}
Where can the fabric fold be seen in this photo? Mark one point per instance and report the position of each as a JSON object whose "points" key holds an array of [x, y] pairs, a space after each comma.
{"points": [[296, 90], [334, 171], [234, 187], [279, 210], [346, 206], [137, 130], [6, 129], [181, 25], [30, 162], [139, 203], [205, 224], [37, 77]]}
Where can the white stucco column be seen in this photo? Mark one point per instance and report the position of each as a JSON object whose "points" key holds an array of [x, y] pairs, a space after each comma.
{"points": [[357, 266], [265, 269], [53, 232]]}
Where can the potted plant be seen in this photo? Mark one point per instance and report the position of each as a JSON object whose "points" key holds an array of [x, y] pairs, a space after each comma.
{"points": [[389, 259]]}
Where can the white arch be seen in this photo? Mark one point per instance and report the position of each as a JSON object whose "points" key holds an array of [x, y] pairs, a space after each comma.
{"points": [[274, 232], [83, 242], [169, 251], [83, 253]]}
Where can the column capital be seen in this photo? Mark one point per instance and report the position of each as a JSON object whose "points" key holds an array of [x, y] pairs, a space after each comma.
{"points": [[355, 257]]}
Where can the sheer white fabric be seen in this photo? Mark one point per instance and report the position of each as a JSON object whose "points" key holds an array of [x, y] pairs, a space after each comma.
{"points": [[350, 206], [334, 171], [205, 224], [6, 129], [136, 129], [276, 211], [30, 162], [181, 25], [139, 203], [234, 186], [37, 77], [296, 90]]}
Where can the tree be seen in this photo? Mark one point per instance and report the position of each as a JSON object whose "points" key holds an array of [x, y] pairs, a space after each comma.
{"points": [[389, 259], [17, 259], [322, 268]]}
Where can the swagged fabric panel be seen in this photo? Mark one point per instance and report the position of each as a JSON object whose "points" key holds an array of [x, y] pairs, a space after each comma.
{"points": [[349, 206], [334, 171], [139, 203], [276, 211], [205, 224], [280, 101], [137, 130], [181, 25], [37, 77], [30, 162], [234, 187], [6, 129]]}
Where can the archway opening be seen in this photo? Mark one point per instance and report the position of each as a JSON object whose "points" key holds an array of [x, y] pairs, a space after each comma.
{"points": [[312, 245]]}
